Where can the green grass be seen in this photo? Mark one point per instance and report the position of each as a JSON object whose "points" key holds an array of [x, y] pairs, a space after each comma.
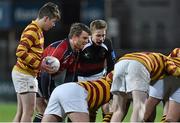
{"points": [[8, 110], [127, 118]]}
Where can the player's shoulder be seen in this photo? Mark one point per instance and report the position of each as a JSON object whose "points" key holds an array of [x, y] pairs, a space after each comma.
{"points": [[107, 42], [59, 43], [30, 29]]}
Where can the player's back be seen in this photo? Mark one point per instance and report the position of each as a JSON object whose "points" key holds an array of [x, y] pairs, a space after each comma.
{"points": [[154, 62], [98, 91]]}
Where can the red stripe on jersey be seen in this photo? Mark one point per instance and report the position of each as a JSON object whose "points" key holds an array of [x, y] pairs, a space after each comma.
{"points": [[31, 29], [48, 51], [90, 101], [61, 50], [172, 70], [38, 46], [56, 49], [19, 50], [37, 53], [32, 61], [25, 44], [96, 94], [24, 56], [34, 25], [157, 66], [35, 29], [90, 67], [175, 52], [30, 37], [84, 85], [142, 58], [146, 59], [104, 90]]}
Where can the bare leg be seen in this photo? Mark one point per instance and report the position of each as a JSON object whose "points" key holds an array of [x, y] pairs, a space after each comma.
{"points": [[51, 118], [40, 108], [92, 115], [118, 107], [18, 115], [165, 111], [151, 104], [78, 116], [173, 114], [40, 105], [106, 113], [166, 107], [105, 108], [139, 98], [28, 103]]}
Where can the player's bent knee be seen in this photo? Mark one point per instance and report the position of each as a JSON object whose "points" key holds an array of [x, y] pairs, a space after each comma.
{"points": [[78, 116], [51, 118]]}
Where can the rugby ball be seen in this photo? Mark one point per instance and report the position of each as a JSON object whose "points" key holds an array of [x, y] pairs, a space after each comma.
{"points": [[53, 62]]}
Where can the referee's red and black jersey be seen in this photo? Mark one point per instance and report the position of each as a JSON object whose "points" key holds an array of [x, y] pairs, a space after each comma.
{"points": [[98, 91], [62, 51]]}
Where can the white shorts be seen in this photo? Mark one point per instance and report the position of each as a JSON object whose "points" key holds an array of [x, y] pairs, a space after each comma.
{"points": [[157, 90], [130, 75], [167, 89], [92, 77], [24, 83], [68, 97]]}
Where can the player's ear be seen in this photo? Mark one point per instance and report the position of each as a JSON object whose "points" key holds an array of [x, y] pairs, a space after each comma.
{"points": [[75, 38], [45, 18]]}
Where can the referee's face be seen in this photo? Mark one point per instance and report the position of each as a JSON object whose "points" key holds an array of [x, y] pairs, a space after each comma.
{"points": [[98, 36]]}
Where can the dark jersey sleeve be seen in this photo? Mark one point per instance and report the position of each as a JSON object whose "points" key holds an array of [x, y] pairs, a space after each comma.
{"points": [[110, 55], [46, 84], [56, 49]]}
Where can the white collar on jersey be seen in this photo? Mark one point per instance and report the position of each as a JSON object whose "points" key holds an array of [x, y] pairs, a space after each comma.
{"points": [[90, 42]]}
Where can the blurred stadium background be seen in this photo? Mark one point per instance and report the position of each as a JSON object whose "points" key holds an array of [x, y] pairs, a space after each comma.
{"points": [[134, 25]]}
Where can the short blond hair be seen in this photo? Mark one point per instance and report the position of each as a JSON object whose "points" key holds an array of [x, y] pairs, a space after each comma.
{"points": [[98, 24]]}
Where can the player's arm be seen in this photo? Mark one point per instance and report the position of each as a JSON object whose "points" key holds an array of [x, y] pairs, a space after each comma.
{"points": [[111, 57], [173, 66], [27, 40], [56, 50], [46, 84], [177, 72], [46, 66]]}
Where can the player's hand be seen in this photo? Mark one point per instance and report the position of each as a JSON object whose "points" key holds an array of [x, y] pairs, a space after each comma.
{"points": [[46, 67]]}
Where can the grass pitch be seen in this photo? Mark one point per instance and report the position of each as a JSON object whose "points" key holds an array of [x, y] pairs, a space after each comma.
{"points": [[8, 110]]}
